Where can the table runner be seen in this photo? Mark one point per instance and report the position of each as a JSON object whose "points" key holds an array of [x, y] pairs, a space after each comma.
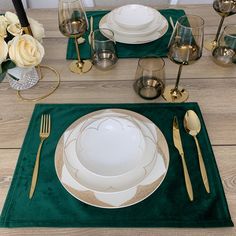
{"points": [[168, 206], [155, 48]]}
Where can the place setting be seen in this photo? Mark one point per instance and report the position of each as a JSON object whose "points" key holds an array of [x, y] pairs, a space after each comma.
{"points": [[147, 164], [154, 160], [134, 40]]}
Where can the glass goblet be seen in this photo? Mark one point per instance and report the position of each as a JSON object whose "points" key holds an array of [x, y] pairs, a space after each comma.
{"points": [[73, 23], [224, 8], [185, 47], [225, 52]]}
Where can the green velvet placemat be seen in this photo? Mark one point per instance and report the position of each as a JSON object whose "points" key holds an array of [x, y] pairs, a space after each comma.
{"points": [[168, 206], [156, 48]]}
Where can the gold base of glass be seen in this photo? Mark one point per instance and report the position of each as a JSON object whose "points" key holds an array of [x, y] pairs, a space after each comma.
{"points": [[171, 95], [80, 68], [210, 44]]}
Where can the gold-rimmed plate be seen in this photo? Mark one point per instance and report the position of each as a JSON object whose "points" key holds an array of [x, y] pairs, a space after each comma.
{"points": [[118, 199]]}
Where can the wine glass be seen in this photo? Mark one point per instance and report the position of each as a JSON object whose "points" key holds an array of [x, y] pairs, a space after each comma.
{"points": [[224, 8], [185, 47], [73, 23], [224, 54]]}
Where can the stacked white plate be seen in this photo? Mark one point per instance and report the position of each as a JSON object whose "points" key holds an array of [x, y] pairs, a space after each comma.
{"points": [[135, 24], [112, 158]]}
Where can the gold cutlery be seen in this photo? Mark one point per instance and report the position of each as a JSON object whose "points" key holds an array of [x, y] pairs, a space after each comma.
{"points": [[91, 29], [44, 133], [179, 146], [172, 23], [193, 126]]}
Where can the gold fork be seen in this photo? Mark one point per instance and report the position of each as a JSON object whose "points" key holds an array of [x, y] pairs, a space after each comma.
{"points": [[44, 133]]}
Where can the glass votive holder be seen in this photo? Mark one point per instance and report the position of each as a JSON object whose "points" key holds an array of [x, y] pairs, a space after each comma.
{"points": [[225, 52], [103, 49], [150, 78]]}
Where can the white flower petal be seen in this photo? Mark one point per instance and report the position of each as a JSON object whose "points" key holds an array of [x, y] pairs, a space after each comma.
{"points": [[3, 51], [37, 29], [3, 29], [25, 51], [15, 29], [12, 18]]}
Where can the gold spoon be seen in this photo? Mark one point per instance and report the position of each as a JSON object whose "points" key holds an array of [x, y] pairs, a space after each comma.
{"points": [[192, 126]]}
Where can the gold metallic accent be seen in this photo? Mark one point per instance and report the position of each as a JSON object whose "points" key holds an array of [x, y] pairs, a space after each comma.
{"points": [[27, 30], [89, 196], [193, 126], [45, 128], [91, 30], [175, 95], [19, 93], [179, 146], [80, 67], [210, 45]]}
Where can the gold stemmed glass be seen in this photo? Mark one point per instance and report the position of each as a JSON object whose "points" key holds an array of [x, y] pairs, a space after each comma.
{"points": [[224, 8], [185, 47], [73, 23]]}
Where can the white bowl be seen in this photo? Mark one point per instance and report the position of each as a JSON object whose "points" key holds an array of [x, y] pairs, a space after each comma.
{"points": [[130, 38], [110, 146], [133, 16], [109, 183], [155, 25]]}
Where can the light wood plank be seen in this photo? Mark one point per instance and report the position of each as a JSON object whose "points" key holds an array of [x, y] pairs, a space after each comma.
{"points": [[219, 112], [212, 86]]}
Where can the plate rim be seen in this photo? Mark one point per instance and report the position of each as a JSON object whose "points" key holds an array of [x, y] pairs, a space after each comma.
{"points": [[85, 118], [137, 39], [58, 163]]}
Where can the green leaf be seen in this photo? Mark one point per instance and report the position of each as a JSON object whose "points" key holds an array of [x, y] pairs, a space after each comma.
{"points": [[2, 76], [6, 65]]}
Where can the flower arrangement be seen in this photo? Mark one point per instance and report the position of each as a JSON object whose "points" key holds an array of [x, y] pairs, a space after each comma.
{"points": [[16, 48]]}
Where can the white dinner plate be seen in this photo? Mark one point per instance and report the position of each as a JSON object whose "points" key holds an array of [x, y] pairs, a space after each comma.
{"points": [[118, 199], [102, 182], [133, 39]]}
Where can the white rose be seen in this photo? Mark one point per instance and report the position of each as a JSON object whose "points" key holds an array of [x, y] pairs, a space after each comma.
{"points": [[37, 29], [12, 18], [3, 19], [3, 26], [3, 51], [25, 51], [15, 29]]}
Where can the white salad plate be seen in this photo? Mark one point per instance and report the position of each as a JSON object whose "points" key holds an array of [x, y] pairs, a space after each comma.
{"points": [[133, 195], [149, 34], [100, 136], [133, 16]]}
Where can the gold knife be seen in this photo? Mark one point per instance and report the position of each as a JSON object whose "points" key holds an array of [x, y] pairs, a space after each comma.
{"points": [[179, 146]]}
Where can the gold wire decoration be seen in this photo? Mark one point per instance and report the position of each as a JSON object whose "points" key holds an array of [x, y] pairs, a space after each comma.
{"points": [[19, 92]]}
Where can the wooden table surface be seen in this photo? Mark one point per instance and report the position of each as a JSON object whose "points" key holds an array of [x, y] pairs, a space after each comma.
{"points": [[212, 86]]}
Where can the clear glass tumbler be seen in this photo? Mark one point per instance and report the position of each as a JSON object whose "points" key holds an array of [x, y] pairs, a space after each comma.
{"points": [[150, 78], [103, 49]]}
